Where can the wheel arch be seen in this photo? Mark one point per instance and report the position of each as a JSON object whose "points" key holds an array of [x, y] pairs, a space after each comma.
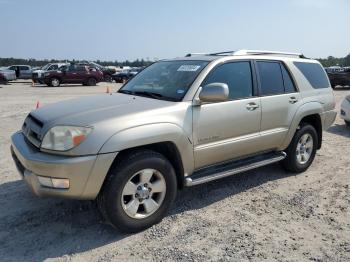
{"points": [[168, 149], [308, 113]]}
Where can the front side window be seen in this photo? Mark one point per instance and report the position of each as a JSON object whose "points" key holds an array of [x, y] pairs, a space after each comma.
{"points": [[314, 73], [238, 77], [271, 80], [165, 80]]}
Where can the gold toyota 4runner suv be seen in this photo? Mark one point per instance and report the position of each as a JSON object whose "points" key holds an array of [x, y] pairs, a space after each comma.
{"points": [[178, 123]]}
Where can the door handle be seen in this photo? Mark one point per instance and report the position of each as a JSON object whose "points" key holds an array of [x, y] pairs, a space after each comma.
{"points": [[293, 100], [252, 106]]}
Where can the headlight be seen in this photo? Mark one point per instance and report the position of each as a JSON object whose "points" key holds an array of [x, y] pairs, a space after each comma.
{"points": [[62, 138]]}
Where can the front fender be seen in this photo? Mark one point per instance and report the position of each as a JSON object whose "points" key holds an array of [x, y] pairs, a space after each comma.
{"points": [[304, 110], [150, 134]]}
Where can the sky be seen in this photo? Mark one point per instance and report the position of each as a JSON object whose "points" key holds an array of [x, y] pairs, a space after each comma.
{"points": [[119, 30]]}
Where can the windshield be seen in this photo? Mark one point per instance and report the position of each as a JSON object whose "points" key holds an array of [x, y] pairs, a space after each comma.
{"points": [[97, 65], [167, 80], [45, 66]]}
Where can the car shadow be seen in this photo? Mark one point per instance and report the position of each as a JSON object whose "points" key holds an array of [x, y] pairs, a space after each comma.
{"points": [[50, 228], [341, 130]]}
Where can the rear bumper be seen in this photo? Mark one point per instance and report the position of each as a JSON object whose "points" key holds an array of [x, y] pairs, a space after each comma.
{"points": [[85, 173]]}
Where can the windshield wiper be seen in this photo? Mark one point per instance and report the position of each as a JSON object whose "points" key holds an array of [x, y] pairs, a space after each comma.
{"points": [[147, 94]]}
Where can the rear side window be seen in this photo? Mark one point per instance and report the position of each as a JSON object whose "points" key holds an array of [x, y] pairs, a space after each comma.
{"points": [[314, 74], [24, 68], [271, 79], [238, 77], [287, 80]]}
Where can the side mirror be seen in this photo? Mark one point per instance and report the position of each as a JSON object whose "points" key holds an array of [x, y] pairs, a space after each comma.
{"points": [[214, 92]]}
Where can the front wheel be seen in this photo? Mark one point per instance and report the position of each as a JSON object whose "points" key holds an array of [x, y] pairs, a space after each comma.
{"points": [[55, 82], [302, 149], [138, 191]]}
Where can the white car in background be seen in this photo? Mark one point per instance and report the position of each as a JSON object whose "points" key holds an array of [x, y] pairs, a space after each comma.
{"points": [[345, 110]]}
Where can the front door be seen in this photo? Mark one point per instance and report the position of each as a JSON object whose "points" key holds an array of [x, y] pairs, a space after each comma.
{"points": [[228, 130]]}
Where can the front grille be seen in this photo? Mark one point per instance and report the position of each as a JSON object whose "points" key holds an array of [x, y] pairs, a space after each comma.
{"points": [[32, 130]]}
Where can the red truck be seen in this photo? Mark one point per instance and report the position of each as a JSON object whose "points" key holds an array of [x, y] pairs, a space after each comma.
{"points": [[73, 74]]}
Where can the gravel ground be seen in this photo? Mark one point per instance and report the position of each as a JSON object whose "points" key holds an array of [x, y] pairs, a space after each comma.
{"points": [[266, 214]]}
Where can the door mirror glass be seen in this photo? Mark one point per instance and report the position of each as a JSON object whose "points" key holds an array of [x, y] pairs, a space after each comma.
{"points": [[214, 92]]}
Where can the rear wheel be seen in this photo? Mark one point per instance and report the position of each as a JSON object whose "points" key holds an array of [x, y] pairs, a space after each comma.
{"points": [[138, 191], [91, 81], [302, 150], [55, 82]]}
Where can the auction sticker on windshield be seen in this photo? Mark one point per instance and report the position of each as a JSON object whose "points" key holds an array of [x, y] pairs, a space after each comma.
{"points": [[188, 68]]}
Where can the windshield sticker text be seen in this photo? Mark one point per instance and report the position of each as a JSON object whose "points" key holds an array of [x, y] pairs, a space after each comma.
{"points": [[188, 68]]}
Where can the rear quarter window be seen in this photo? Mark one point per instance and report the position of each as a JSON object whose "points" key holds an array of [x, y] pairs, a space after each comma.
{"points": [[314, 74]]}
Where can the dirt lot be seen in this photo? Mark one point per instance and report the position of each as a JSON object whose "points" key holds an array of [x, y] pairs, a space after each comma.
{"points": [[266, 214]]}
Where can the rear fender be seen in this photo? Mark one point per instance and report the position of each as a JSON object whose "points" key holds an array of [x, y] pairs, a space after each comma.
{"points": [[306, 109]]}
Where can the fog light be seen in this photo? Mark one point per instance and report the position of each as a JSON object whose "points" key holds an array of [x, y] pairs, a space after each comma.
{"points": [[61, 183], [45, 181]]}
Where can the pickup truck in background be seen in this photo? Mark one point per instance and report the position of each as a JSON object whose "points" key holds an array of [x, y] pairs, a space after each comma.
{"points": [[339, 78], [22, 71]]}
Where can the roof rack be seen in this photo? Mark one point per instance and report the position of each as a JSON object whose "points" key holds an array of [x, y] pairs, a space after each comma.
{"points": [[265, 52], [250, 52], [192, 54]]}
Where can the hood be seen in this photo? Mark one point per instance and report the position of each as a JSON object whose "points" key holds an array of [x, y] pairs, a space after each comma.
{"points": [[108, 114], [89, 110]]}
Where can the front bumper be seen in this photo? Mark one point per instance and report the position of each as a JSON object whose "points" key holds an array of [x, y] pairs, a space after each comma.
{"points": [[85, 173], [345, 110]]}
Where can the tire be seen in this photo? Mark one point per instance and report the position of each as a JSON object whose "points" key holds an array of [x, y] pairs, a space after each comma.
{"points": [[91, 81], [347, 122], [55, 82], [113, 201], [298, 163], [108, 78]]}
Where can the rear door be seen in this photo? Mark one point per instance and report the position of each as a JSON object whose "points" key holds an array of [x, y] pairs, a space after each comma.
{"points": [[25, 72], [279, 101]]}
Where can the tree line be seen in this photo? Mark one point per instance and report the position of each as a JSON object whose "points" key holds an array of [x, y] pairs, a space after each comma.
{"points": [[326, 62], [334, 61]]}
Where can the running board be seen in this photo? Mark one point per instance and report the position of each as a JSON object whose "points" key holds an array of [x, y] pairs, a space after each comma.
{"points": [[214, 172]]}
